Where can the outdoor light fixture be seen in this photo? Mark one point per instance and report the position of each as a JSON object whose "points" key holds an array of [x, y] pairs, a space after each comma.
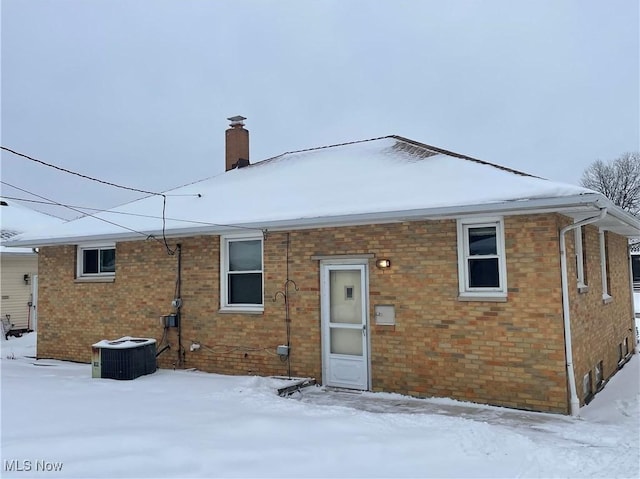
{"points": [[26, 278], [383, 263]]}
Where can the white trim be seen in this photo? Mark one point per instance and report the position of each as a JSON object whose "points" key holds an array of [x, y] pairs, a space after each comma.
{"points": [[225, 307], [326, 266], [465, 291], [337, 257], [80, 274], [606, 296], [566, 205], [582, 284]]}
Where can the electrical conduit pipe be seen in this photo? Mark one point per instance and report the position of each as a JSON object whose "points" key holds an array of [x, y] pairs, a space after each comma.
{"points": [[574, 401]]}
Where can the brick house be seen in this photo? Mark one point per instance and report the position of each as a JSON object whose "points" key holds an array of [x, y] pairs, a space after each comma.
{"points": [[19, 266], [383, 265]]}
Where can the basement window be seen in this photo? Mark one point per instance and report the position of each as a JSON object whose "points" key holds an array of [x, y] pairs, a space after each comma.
{"points": [[620, 353], [241, 285], [96, 261], [482, 270], [587, 388], [599, 374]]}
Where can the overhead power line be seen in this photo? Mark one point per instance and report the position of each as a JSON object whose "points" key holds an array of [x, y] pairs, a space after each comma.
{"points": [[115, 185], [53, 202], [124, 213], [59, 168], [109, 183]]}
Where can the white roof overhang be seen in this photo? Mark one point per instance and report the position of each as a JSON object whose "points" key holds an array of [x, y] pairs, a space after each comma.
{"points": [[577, 207]]}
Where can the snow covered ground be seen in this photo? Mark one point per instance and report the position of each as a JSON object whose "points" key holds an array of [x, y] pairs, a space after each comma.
{"points": [[193, 424]]}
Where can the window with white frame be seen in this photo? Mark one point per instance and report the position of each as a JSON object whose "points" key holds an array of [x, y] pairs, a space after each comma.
{"points": [[241, 285], [96, 260], [604, 264], [481, 258], [581, 258]]}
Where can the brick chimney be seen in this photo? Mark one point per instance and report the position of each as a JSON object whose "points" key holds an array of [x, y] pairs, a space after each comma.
{"points": [[237, 144]]}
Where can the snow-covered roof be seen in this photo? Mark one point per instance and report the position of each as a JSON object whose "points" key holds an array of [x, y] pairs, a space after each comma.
{"points": [[379, 180], [16, 219]]}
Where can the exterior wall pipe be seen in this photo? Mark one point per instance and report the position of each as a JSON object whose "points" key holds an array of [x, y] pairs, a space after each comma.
{"points": [[566, 316], [633, 328]]}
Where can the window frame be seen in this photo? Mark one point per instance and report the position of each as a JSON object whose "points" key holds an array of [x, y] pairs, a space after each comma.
{"points": [[604, 266], [599, 374], [81, 248], [581, 260], [481, 293], [225, 305], [587, 387]]}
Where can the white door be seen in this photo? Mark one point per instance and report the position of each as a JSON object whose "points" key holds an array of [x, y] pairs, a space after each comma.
{"points": [[345, 352]]}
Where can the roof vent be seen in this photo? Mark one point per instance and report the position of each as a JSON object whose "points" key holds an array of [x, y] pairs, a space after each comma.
{"points": [[236, 121]]}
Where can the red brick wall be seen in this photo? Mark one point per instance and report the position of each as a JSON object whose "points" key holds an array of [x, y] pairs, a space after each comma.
{"points": [[509, 354]]}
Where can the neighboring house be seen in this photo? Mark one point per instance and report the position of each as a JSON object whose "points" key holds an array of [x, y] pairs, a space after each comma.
{"points": [[384, 265], [19, 266], [634, 248]]}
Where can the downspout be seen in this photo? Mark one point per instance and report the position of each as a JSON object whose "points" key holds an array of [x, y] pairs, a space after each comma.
{"points": [[566, 316], [633, 328], [178, 303]]}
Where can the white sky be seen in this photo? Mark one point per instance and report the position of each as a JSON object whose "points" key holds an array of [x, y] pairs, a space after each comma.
{"points": [[138, 92]]}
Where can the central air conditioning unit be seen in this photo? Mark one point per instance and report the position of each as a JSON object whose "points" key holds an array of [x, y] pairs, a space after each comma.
{"points": [[124, 358]]}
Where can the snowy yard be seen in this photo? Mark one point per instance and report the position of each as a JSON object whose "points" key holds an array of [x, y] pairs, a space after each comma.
{"points": [[193, 424]]}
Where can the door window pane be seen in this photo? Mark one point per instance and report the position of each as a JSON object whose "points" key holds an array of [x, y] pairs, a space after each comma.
{"points": [[245, 288], [345, 297], [245, 255], [346, 341]]}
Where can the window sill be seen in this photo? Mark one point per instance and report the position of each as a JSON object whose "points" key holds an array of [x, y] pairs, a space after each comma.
{"points": [[241, 311], [583, 288], [606, 299], [95, 279], [480, 297]]}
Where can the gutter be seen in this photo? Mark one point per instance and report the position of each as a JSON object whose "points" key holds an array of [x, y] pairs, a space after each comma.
{"points": [[584, 202], [566, 315]]}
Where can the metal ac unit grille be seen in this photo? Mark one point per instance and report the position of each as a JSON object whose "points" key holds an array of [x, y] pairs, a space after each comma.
{"points": [[126, 358]]}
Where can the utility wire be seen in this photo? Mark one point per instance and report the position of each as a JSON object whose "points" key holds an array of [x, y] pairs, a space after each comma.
{"points": [[59, 168], [81, 212], [17, 153], [78, 174], [126, 213], [164, 196]]}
